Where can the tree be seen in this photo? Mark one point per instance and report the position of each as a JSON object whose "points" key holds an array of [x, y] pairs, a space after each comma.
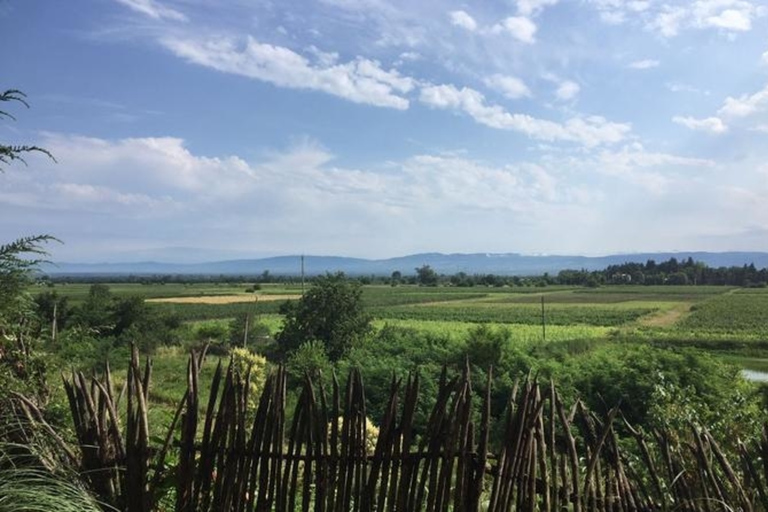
{"points": [[17, 261], [426, 276], [11, 152], [330, 312]]}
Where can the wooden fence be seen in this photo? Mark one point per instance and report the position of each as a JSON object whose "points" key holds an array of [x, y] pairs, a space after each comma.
{"points": [[222, 456]]}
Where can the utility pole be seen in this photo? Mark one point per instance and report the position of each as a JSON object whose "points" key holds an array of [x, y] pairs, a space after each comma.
{"points": [[302, 274], [54, 326], [543, 321]]}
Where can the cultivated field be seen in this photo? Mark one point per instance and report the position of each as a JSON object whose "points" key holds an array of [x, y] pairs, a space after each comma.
{"points": [[701, 315]]}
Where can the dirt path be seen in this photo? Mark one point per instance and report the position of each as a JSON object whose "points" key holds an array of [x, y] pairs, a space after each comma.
{"points": [[667, 317], [224, 299]]}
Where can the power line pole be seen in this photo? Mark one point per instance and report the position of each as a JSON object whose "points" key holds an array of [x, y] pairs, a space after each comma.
{"points": [[302, 274]]}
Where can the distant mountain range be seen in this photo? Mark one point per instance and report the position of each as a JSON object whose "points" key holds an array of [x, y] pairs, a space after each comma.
{"points": [[481, 263]]}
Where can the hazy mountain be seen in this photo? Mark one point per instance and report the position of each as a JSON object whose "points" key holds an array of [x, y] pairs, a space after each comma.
{"points": [[502, 264]]}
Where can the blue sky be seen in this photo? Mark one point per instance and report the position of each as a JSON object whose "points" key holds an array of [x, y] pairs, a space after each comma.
{"points": [[190, 130]]}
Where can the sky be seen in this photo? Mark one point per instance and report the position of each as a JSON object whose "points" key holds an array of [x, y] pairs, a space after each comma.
{"points": [[197, 130]]}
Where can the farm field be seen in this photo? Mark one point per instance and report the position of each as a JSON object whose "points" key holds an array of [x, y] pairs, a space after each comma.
{"points": [[422, 328], [703, 316]]}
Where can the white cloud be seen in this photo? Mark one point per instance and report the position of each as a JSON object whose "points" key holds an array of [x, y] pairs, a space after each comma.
{"points": [[681, 87], [644, 64], [726, 15], [360, 81], [590, 131], [712, 125], [567, 90], [510, 86], [533, 7], [463, 20], [647, 169], [155, 192], [154, 10], [616, 12], [732, 15], [765, 58], [745, 105], [669, 21], [731, 19], [519, 27]]}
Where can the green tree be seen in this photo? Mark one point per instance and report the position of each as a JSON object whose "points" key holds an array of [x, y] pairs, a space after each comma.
{"points": [[330, 312], [426, 276]]}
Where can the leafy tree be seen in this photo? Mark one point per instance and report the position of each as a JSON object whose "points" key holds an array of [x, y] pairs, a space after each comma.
{"points": [[330, 312], [426, 276], [257, 331]]}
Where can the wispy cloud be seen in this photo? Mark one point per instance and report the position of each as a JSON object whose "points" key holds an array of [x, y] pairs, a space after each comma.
{"points": [[590, 131], [510, 86], [713, 125], [669, 19], [519, 27], [361, 80], [745, 105], [567, 90], [463, 20], [533, 7], [644, 64], [154, 9]]}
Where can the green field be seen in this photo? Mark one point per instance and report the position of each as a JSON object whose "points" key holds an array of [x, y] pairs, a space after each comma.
{"points": [[699, 315], [582, 331]]}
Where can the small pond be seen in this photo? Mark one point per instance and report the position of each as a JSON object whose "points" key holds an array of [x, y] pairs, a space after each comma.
{"points": [[755, 376]]}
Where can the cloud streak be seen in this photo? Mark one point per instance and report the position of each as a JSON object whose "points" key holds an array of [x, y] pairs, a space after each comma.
{"points": [[360, 80], [590, 131]]}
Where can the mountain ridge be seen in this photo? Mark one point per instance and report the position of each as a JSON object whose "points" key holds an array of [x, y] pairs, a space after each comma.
{"points": [[470, 263]]}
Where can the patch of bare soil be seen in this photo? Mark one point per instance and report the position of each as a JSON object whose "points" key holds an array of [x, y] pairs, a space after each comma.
{"points": [[666, 318]]}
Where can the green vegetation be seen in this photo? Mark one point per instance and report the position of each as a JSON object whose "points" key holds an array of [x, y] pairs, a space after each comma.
{"points": [[331, 312], [731, 313]]}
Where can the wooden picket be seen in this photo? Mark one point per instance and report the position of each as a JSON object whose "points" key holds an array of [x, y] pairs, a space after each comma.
{"points": [[549, 458]]}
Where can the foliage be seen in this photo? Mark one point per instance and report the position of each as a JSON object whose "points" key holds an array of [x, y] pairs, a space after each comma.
{"points": [[15, 270], [28, 488], [371, 435], [484, 312], [426, 276], [310, 359], [257, 331], [10, 152], [330, 312], [734, 312], [253, 368]]}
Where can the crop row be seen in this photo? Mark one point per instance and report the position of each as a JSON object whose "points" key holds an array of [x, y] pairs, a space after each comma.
{"points": [[191, 312], [379, 297], [518, 314], [596, 298], [522, 333], [736, 312]]}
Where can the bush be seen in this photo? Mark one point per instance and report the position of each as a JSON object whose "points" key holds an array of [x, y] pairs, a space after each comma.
{"points": [[331, 312], [253, 366]]}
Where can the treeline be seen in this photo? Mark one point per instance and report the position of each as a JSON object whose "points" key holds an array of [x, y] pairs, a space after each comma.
{"points": [[670, 272]]}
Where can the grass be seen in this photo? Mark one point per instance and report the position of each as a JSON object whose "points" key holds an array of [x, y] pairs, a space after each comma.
{"points": [[520, 332]]}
